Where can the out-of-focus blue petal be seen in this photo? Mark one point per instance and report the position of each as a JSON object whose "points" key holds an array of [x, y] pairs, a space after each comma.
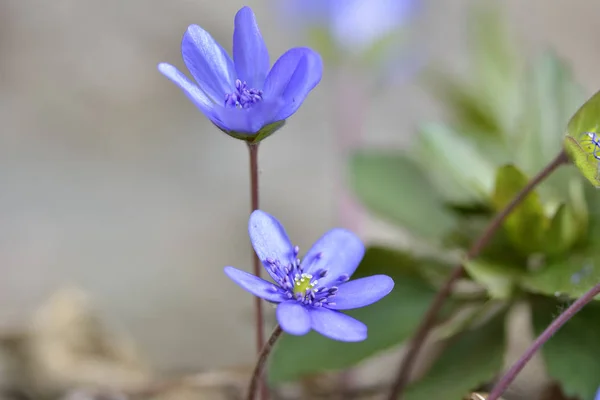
{"points": [[338, 251], [292, 77], [249, 120], [197, 96], [208, 62], [250, 53], [597, 394], [293, 318], [255, 285], [336, 325], [269, 239], [361, 292], [357, 24], [300, 13]]}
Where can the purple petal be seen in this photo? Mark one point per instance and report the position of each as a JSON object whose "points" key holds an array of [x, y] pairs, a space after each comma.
{"points": [[292, 77], [293, 318], [336, 325], [208, 63], [197, 96], [248, 120], [269, 239], [255, 285], [282, 71], [338, 251], [362, 292], [250, 53]]}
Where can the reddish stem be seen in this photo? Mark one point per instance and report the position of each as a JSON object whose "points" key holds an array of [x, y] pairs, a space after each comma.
{"points": [[256, 265], [512, 373], [429, 320], [262, 360]]}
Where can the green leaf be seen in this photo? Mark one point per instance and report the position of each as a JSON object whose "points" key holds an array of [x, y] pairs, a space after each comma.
{"points": [[390, 321], [592, 199], [487, 106], [551, 97], [393, 187], [465, 106], [571, 276], [453, 164], [526, 225], [572, 355], [500, 247], [471, 359], [563, 232], [579, 144], [496, 65], [500, 280], [579, 203]]}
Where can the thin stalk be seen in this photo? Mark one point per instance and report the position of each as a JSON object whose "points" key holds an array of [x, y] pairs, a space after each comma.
{"points": [[256, 265], [429, 321], [512, 373], [260, 364]]}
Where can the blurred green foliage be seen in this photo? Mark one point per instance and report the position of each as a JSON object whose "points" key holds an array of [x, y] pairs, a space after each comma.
{"points": [[507, 121]]}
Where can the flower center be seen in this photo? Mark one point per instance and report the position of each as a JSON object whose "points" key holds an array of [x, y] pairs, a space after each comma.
{"points": [[243, 97], [294, 283], [302, 283]]}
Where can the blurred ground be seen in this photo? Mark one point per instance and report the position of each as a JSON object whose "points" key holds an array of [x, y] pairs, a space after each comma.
{"points": [[113, 181]]}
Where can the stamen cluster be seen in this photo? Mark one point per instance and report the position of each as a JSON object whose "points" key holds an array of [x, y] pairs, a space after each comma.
{"points": [[243, 97], [294, 283]]}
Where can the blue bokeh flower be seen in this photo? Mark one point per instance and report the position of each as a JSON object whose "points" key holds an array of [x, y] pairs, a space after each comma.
{"points": [[353, 25], [242, 96], [310, 293], [597, 395]]}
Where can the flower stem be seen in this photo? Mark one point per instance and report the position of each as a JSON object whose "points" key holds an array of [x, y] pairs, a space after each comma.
{"points": [[512, 373], [256, 269], [429, 320], [262, 360]]}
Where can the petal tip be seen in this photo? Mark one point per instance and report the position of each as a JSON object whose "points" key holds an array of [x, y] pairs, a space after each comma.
{"points": [[358, 338], [244, 10], [193, 28], [388, 283], [230, 271], [169, 70], [257, 215], [293, 318]]}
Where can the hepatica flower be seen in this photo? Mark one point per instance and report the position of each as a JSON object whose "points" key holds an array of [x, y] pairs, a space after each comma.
{"points": [[242, 96], [311, 292]]}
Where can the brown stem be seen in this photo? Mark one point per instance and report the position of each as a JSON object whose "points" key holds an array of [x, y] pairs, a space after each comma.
{"points": [[512, 373], [429, 320], [256, 265], [260, 364]]}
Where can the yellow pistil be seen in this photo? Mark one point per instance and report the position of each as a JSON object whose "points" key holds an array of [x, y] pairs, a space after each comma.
{"points": [[302, 283]]}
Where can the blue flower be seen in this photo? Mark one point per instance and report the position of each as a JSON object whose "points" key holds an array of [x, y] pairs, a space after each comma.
{"points": [[242, 97], [353, 25], [310, 293], [597, 395]]}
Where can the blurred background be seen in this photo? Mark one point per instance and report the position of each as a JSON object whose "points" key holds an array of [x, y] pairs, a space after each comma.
{"points": [[113, 183]]}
